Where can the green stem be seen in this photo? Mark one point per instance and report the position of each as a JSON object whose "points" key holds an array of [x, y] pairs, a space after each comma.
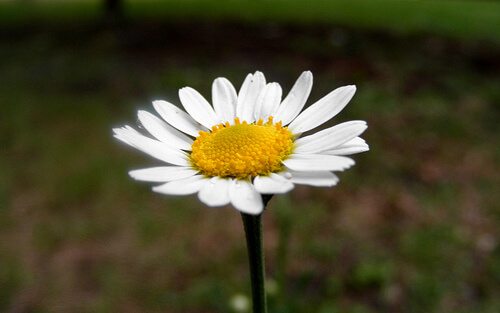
{"points": [[255, 247]]}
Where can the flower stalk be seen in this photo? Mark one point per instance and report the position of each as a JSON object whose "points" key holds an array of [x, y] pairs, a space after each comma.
{"points": [[255, 246]]}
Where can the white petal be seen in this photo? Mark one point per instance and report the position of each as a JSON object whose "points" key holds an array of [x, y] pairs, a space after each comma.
{"points": [[152, 147], [323, 110], [268, 101], [330, 138], [224, 99], [162, 174], [295, 100], [178, 118], [353, 146], [272, 184], [215, 192], [198, 107], [245, 198], [317, 162], [247, 96], [316, 179], [181, 187], [164, 132]]}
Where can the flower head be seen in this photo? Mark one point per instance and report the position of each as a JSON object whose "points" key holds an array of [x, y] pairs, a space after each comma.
{"points": [[247, 144]]}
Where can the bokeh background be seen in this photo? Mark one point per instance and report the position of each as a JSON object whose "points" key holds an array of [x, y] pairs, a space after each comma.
{"points": [[413, 227]]}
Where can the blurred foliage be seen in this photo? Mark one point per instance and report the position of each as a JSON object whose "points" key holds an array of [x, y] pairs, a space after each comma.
{"points": [[413, 227], [458, 18]]}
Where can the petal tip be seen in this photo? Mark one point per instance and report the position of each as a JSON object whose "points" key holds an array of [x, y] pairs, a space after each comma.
{"points": [[158, 102], [307, 73]]}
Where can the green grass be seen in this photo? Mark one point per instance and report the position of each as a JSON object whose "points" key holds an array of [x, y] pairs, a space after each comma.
{"points": [[460, 19]]}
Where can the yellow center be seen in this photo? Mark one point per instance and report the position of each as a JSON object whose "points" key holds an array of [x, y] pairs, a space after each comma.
{"points": [[242, 150]]}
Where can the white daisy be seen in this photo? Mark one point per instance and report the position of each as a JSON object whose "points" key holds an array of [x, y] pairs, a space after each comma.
{"points": [[246, 144]]}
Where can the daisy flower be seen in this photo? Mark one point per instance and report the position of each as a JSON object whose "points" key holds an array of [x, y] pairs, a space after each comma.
{"points": [[247, 144]]}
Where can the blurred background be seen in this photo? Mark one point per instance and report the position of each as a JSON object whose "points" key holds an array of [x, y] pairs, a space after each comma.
{"points": [[413, 227]]}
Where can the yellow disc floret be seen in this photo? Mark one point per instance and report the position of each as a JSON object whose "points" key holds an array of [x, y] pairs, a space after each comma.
{"points": [[242, 150]]}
